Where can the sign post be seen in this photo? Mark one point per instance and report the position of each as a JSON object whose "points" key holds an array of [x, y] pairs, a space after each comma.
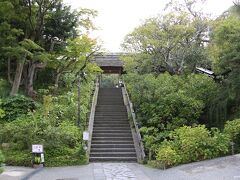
{"points": [[38, 155], [85, 138]]}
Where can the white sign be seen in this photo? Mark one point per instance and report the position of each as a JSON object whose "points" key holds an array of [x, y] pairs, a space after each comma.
{"points": [[85, 135], [37, 148], [42, 158]]}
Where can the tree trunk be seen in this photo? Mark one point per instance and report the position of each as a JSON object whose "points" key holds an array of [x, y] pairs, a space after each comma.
{"points": [[9, 72], [57, 79], [17, 78], [30, 77], [29, 87]]}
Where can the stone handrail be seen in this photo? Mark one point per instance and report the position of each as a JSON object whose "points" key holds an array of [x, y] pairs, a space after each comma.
{"points": [[91, 117], [129, 105]]}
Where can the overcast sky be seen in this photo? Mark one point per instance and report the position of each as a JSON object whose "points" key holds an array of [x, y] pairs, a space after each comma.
{"points": [[117, 18]]}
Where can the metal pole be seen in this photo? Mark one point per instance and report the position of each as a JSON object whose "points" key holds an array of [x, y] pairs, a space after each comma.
{"points": [[78, 99]]}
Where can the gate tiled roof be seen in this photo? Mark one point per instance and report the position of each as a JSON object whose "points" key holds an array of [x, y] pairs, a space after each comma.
{"points": [[108, 60]]}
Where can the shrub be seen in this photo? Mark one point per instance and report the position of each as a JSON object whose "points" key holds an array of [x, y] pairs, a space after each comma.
{"points": [[169, 102], [63, 156], [167, 156], [189, 144], [16, 106], [232, 129], [17, 158], [52, 124], [62, 143], [1, 162]]}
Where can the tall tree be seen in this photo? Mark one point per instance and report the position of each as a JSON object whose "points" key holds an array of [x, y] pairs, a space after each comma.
{"points": [[173, 42], [76, 57], [35, 21]]}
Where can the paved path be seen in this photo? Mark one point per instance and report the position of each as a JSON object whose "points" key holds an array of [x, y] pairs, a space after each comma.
{"points": [[226, 168], [15, 173]]}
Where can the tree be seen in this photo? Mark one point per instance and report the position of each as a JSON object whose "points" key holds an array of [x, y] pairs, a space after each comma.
{"points": [[25, 51], [175, 42], [225, 54], [76, 57], [235, 9], [37, 23]]}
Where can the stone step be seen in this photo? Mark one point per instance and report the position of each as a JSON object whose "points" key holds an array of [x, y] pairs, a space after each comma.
{"points": [[113, 154], [112, 138], [111, 103], [116, 107], [103, 99], [111, 142], [109, 96], [100, 100], [109, 88], [112, 131], [108, 106], [122, 110], [111, 111], [113, 150], [113, 159], [109, 92], [111, 122], [111, 119], [111, 128], [110, 125], [114, 114], [111, 134], [104, 124]]}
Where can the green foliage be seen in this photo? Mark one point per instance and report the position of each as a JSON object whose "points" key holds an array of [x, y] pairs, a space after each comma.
{"points": [[171, 42], [187, 144], [109, 80], [164, 103], [4, 88], [151, 139], [53, 125], [15, 106], [2, 160], [62, 107], [167, 102], [59, 141], [17, 158], [29, 42], [167, 156], [65, 157], [232, 129], [224, 52]]}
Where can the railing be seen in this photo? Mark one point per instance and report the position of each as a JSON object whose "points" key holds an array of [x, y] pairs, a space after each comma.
{"points": [[131, 112], [91, 117]]}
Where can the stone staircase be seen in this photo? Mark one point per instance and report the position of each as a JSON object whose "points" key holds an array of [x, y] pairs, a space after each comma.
{"points": [[112, 137]]}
